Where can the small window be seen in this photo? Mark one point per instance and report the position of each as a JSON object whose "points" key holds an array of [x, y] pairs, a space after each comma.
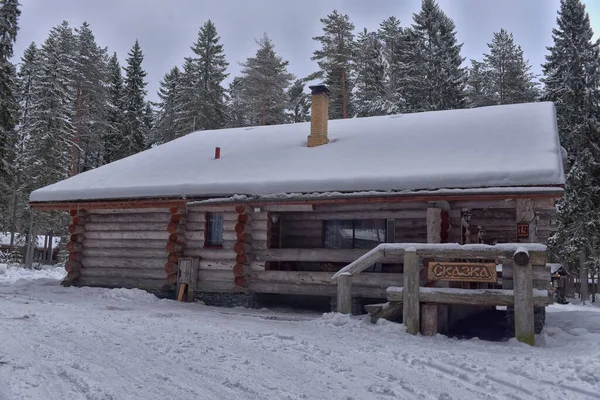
{"points": [[358, 234], [214, 229]]}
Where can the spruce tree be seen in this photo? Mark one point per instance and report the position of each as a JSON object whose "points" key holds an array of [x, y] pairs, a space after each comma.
{"points": [[90, 102], [201, 100], [433, 76], [478, 86], [52, 99], [299, 102], [164, 129], [115, 114], [265, 81], [9, 16], [237, 115], [394, 51], [572, 79], [336, 61], [135, 129], [371, 96], [509, 76]]}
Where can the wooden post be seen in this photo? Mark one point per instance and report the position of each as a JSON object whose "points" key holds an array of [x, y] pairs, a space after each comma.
{"points": [[434, 235], [523, 292], [344, 293], [410, 308], [429, 320]]}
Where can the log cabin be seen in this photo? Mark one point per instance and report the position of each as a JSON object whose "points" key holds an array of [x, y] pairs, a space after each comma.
{"points": [[279, 209]]}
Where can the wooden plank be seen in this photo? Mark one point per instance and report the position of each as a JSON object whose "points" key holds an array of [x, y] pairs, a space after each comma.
{"points": [[538, 272], [313, 290], [410, 309], [217, 264], [125, 226], [125, 252], [215, 275], [138, 273], [351, 215], [288, 207], [126, 235], [429, 319], [126, 244], [210, 254], [182, 290], [344, 294], [316, 255], [103, 262], [472, 297], [197, 236], [115, 282], [366, 279], [128, 211], [194, 226]]}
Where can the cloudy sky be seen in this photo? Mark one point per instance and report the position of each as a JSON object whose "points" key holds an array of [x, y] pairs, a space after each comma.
{"points": [[166, 29]]}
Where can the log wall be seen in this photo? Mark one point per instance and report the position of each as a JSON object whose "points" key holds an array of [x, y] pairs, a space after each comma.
{"points": [[122, 248]]}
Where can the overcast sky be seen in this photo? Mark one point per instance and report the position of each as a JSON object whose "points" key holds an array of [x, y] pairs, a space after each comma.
{"points": [[166, 29]]}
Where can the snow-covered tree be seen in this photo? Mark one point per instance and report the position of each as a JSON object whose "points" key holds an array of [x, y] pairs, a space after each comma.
{"points": [[237, 114], [164, 130], [114, 115], [433, 77], [394, 50], [135, 128], [572, 79], [477, 88], [90, 76], [265, 80], [509, 76], [371, 94], [336, 61], [49, 123], [9, 16], [299, 102], [201, 99]]}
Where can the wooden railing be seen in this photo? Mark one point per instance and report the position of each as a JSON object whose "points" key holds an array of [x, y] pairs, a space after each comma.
{"points": [[410, 295]]}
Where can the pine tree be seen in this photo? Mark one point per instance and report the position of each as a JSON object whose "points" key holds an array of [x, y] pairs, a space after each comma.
{"points": [[9, 16], [433, 76], [572, 79], [201, 102], [135, 128], [265, 80], [90, 102], [477, 89], [336, 60], [299, 103], [371, 95], [394, 51], [509, 76], [237, 115], [115, 115], [164, 129], [52, 98]]}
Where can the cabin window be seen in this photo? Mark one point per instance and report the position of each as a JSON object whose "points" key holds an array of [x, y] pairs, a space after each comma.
{"points": [[354, 234], [214, 229]]}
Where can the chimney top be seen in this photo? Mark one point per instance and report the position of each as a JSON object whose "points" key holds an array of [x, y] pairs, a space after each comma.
{"points": [[317, 89]]}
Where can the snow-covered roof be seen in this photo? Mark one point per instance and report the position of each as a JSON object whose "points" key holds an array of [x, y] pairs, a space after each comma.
{"points": [[499, 146]]}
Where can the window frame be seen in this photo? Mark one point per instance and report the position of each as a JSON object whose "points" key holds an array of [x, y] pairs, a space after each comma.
{"points": [[208, 227], [355, 223]]}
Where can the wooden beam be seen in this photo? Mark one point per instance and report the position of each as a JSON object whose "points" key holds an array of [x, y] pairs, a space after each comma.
{"points": [[429, 319], [316, 255], [524, 315], [344, 294], [410, 310], [366, 279], [472, 297]]}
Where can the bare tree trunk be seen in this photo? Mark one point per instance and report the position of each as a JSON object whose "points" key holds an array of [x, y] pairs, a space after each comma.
{"points": [[593, 285], [583, 277]]}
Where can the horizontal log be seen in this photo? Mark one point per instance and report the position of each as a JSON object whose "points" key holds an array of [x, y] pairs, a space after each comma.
{"points": [[125, 226], [195, 226], [260, 234], [126, 235], [173, 247], [398, 206], [217, 286], [123, 273], [229, 235], [458, 205], [476, 297], [77, 238], [177, 238], [242, 248], [210, 254], [216, 208], [244, 237], [316, 255], [376, 280], [106, 262], [259, 244], [128, 244], [313, 290], [177, 218], [197, 236], [128, 211], [129, 283], [175, 227], [277, 208], [162, 217], [537, 272], [125, 252], [229, 244], [353, 215], [216, 264], [193, 216], [74, 247]]}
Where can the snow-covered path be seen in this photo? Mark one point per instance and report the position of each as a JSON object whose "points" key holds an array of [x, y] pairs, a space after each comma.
{"points": [[72, 343]]}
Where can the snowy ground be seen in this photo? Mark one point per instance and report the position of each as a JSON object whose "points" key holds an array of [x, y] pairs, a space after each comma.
{"points": [[71, 343]]}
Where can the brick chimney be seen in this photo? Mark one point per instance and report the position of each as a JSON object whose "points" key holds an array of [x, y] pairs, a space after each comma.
{"points": [[319, 115]]}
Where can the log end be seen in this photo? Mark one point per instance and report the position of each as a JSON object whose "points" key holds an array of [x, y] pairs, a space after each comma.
{"points": [[521, 257], [73, 266], [172, 278], [171, 268], [238, 270], [240, 281], [240, 209]]}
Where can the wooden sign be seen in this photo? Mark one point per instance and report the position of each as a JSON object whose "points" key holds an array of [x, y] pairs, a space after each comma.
{"points": [[464, 272], [522, 230]]}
